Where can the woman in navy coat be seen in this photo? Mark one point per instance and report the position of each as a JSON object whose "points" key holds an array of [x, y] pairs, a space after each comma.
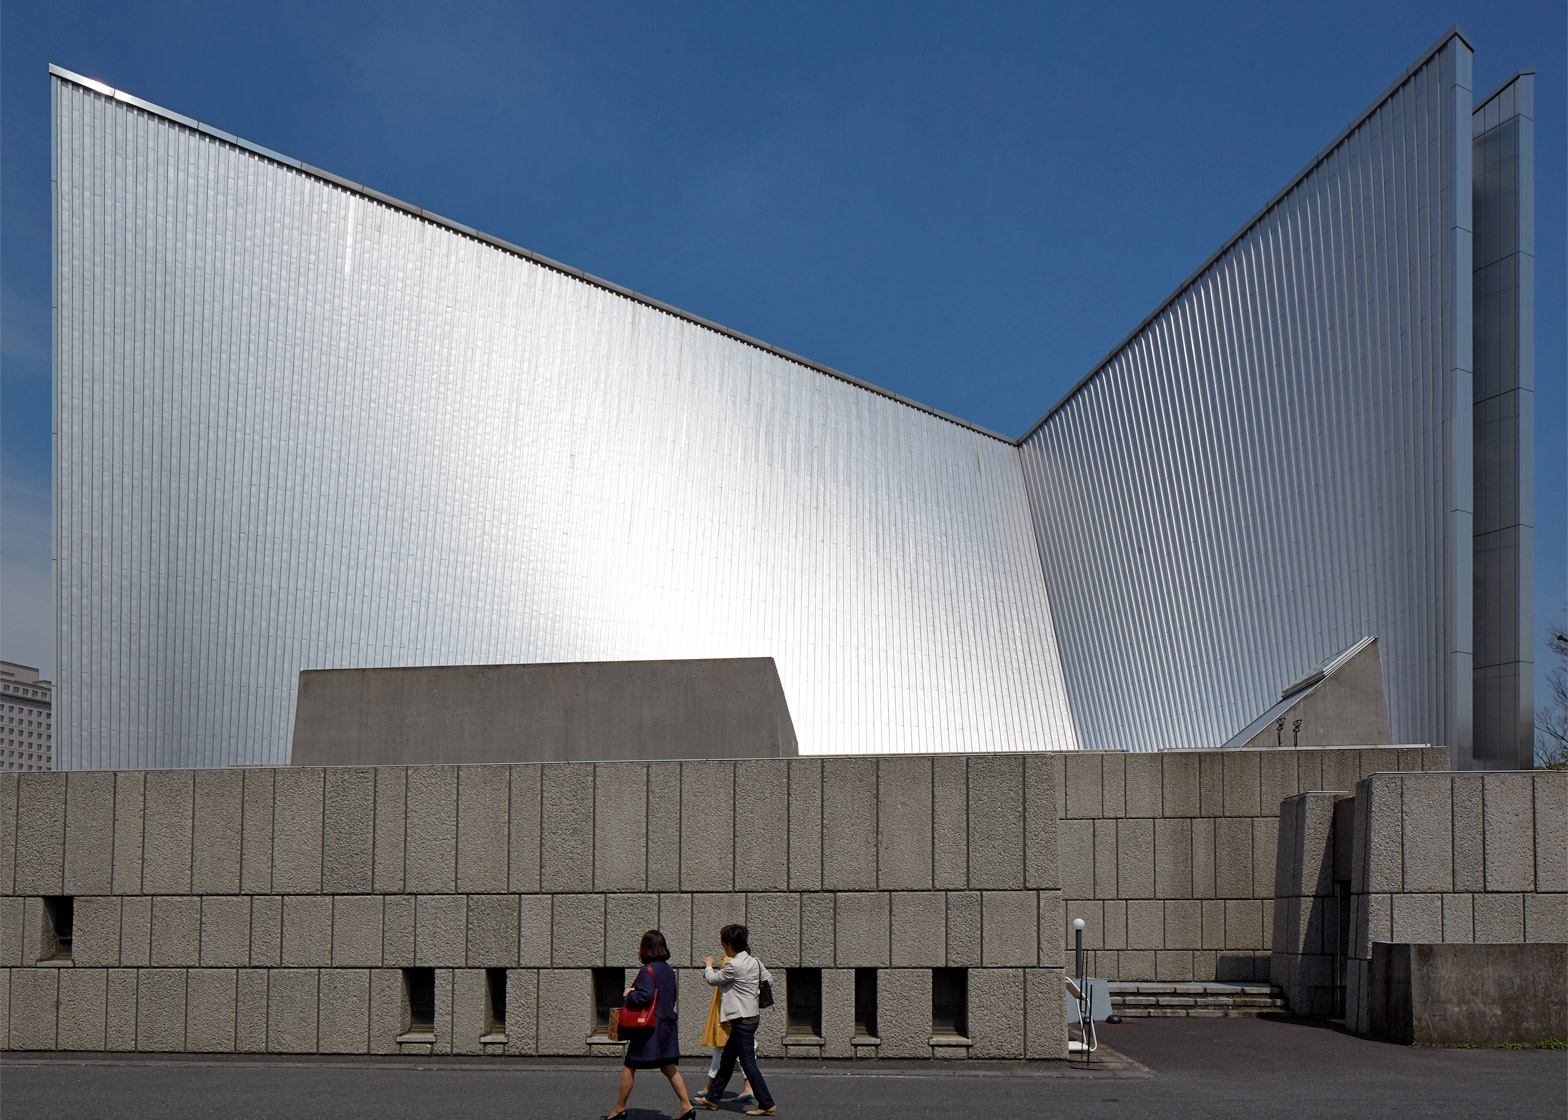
{"points": [[657, 1047]]}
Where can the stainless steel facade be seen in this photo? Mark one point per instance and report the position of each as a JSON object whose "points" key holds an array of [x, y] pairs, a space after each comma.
{"points": [[1276, 464], [303, 425], [1503, 128], [299, 427]]}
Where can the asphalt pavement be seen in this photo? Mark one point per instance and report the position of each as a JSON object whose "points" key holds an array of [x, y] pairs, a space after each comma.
{"points": [[1251, 1069]]}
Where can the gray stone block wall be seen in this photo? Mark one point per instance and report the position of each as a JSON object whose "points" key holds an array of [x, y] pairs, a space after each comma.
{"points": [[1455, 858], [275, 910], [1143, 837]]}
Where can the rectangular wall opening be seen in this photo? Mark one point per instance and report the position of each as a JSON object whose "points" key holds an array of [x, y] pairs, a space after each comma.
{"points": [[865, 1003], [803, 1002], [60, 922], [419, 989], [949, 1003], [609, 989], [495, 1004]]}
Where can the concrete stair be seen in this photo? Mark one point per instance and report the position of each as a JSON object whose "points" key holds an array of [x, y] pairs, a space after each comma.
{"points": [[1206, 1000]]}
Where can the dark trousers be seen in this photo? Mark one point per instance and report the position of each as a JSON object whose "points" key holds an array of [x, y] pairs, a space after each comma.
{"points": [[742, 1045]]}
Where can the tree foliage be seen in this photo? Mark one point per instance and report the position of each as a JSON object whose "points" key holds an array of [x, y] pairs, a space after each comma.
{"points": [[1551, 718]]}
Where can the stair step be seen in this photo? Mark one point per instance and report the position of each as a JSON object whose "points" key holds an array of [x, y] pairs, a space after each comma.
{"points": [[1193, 999]]}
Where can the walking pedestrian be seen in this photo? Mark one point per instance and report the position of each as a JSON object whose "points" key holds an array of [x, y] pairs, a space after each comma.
{"points": [[739, 981], [715, 1033], [657, 1046]]}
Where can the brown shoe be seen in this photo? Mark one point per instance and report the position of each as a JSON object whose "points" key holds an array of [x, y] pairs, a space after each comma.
{"points": [[763, 1111]]}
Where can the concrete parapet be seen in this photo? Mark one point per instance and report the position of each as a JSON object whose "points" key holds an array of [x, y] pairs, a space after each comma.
{"points": [[297, 807], [255, 832], [849, 823], [761, 824], [390, 820], [707, 827], [215, 851], [904, 824], [89, 833], [430, 831], [620, 835], [348, 845]]}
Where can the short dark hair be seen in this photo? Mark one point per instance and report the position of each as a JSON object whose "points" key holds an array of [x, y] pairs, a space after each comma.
{"points": [[653, 948], [736, 937]]}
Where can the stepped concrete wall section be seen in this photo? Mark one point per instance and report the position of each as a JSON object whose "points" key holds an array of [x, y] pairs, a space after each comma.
{"points": [[1311, 904], [1169, 857], [273, 909], [1461, 858]]}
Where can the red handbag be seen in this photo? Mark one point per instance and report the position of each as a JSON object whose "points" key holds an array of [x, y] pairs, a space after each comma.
{"points": [[639, 1018]]}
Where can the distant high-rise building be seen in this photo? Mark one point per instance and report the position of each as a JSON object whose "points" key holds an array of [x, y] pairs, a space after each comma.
{"points": [[27, 729]]}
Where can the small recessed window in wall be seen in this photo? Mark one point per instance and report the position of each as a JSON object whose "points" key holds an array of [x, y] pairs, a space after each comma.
{"points": [[865, 1003], [804, 1002], [609, 988], [419, 987], [495, 1004], [59, 921], [950, 1003]]}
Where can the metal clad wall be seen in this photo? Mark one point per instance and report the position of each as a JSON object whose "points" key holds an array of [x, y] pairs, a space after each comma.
{"points": [[1276, 465], [1503, 128], [300, 428]]}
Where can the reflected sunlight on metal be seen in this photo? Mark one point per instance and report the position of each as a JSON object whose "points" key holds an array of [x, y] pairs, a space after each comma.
{"points": [[300, 428]]}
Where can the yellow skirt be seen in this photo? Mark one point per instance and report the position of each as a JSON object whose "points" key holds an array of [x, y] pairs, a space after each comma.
{"points": [[715, 1033]]}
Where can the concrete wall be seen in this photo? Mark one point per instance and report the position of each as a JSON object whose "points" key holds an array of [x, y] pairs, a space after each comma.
{"points": [[1485, 995], [1456, 859], [1310, 907], [271, 909], [1170, 857], [587, 711], [303, 890]]}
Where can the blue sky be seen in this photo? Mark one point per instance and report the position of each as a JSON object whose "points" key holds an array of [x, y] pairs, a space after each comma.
{"points": [[966, 204]]}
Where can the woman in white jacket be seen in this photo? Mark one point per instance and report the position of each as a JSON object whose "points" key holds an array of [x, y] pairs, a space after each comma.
{"points": [[739, 981]]}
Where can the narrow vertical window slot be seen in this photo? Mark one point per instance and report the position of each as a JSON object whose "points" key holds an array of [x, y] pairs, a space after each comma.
{"points": [[803, 1002], [865, 1004], [495, 1005], [60, 920], [949, 1003], [419, 989], [609, 988]]}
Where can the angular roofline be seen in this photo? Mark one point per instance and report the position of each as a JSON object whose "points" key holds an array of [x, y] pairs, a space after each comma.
{"points": [[506, 246], [1454, 32], [1426, 56], [1482, 102]]}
